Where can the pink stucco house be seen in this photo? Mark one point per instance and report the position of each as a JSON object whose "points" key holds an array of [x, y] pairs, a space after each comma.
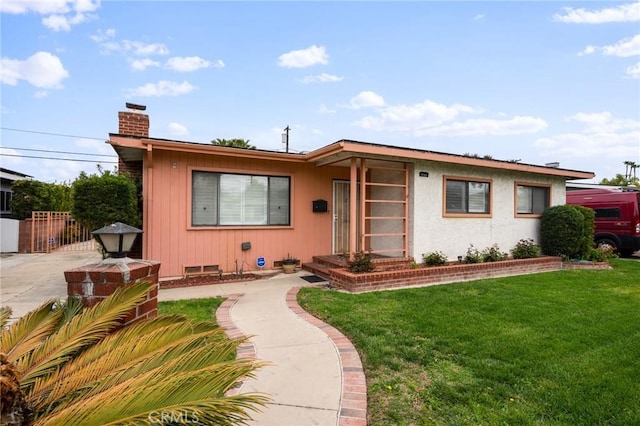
{"points": [[207, 208]]}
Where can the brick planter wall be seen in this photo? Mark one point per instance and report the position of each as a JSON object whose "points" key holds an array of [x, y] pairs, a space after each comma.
{"points": [[93, 283], [440, 275]]}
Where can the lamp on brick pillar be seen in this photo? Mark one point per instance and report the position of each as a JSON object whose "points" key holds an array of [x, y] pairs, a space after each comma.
{"points": [[117, 239]]}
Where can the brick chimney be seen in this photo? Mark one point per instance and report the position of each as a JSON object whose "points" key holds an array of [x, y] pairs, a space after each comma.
{"points": [[133, 122]]}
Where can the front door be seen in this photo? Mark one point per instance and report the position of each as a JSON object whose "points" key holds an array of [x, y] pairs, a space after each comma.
{"points": [[341, 220]]}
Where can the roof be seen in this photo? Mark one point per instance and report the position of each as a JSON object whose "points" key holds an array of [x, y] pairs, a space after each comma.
{"points": [[338, 153], [12, 175]]}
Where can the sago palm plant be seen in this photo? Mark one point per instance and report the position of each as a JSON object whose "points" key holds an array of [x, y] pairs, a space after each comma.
{"points": [[64, 365]]}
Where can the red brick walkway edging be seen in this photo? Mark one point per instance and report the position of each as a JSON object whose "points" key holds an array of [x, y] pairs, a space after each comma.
{"points": [[353, 401], [246, 349]]}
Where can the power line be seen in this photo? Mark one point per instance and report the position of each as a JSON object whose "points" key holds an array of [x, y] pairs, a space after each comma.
{"points": [[60, 159], [51, 134], [58, 152]]}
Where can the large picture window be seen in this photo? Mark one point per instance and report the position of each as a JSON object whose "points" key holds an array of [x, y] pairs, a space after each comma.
{"points": [[531, 199], [225, 199], [467, 197]]}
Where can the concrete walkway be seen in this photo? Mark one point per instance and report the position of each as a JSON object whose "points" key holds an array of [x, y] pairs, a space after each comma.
{"points": [[315, 376], [28, 280]]}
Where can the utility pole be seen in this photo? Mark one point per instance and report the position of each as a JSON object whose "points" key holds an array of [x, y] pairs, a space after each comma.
{"points": [[285, 138]]}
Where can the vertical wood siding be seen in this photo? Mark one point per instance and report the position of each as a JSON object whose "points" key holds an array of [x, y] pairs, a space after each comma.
{"points": [[171, 240]]}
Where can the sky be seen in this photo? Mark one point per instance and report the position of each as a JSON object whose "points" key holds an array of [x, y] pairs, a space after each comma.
{"points": [[538, 82]]}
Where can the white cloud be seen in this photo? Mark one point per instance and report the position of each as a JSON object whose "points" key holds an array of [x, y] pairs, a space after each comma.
{"points": [[60, 15], [218, 64], [177, 129], [100, 36], [42, 70], [413, 118], [10, 156], [323, 109], [602, 122], [187, 64], [161, 88], [624, 48], [127, 47], [634, 71], [304, 58], [478, 17], [588, 50], [139, 48], [600, 145], [429, 118], [316, 131], [517, 125], [629, 12], [143, 64], [95, 146], [602, 136], [366, 99], [322, 78], [40, 94]]}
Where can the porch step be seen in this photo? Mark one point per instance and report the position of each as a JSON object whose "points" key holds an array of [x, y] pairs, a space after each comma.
{"points": [[317, 269], [331, 261]]}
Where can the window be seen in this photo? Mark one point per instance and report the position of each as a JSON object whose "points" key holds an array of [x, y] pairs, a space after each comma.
{"points": [[531, 199], [5, 201], [467, 197], [608, 213], [224, 199]]}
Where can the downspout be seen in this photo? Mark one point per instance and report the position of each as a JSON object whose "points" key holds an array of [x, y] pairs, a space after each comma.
{"points": [[147, 201]]}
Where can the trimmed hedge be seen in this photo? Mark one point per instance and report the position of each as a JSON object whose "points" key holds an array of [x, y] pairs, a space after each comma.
{"points": [[100, 200], [567, 231]]}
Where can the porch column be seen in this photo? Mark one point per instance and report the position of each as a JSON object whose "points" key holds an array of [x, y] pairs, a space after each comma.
{"points": [[363, 206], [353, 211]]}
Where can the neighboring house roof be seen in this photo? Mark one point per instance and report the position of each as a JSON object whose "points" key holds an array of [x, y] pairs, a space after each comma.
{"points": [[338, 153], [12, 175]]}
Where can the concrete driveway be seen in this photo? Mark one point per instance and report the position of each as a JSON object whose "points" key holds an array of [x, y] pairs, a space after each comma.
{"points": [[27, 280]]}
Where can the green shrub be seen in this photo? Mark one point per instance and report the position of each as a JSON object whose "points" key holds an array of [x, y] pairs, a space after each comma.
{"points": [[435, 258], [100, 200], [493, 254], [33, 195], [525, 249], [361, 262], [473, 255], [588, 229], [601, 254], [562, 232]]}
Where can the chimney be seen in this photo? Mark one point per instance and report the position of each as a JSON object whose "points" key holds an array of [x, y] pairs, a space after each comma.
{"points": [[133, 122]]}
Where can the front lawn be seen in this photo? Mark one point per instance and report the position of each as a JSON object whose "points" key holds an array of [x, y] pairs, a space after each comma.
{"points": [[194, 309], [555, 348]]}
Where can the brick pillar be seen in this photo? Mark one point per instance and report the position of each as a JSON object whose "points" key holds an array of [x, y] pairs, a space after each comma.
{"points": [[93, 283]]}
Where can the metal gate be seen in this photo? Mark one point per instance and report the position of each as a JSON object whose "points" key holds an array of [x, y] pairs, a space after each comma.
{"points": [[58, 231]]}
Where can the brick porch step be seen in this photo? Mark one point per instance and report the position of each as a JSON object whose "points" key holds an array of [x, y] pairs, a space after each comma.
{"points": [[317, 269]]}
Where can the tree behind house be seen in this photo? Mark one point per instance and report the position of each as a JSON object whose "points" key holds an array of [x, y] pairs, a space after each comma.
{"points": [[33, 195], [233, 143]]}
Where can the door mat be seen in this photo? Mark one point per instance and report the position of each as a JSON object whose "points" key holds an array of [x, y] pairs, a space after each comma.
{"points": [[313, 279]]}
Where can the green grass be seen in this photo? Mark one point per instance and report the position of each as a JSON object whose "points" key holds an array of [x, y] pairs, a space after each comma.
{"points": [[194, 309], [560, 348]]}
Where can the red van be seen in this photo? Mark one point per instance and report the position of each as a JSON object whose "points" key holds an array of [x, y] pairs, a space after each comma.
{"points": [[617, 216]]}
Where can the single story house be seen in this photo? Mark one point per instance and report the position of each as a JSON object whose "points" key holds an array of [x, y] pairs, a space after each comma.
{"points": [[207, 207]]}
